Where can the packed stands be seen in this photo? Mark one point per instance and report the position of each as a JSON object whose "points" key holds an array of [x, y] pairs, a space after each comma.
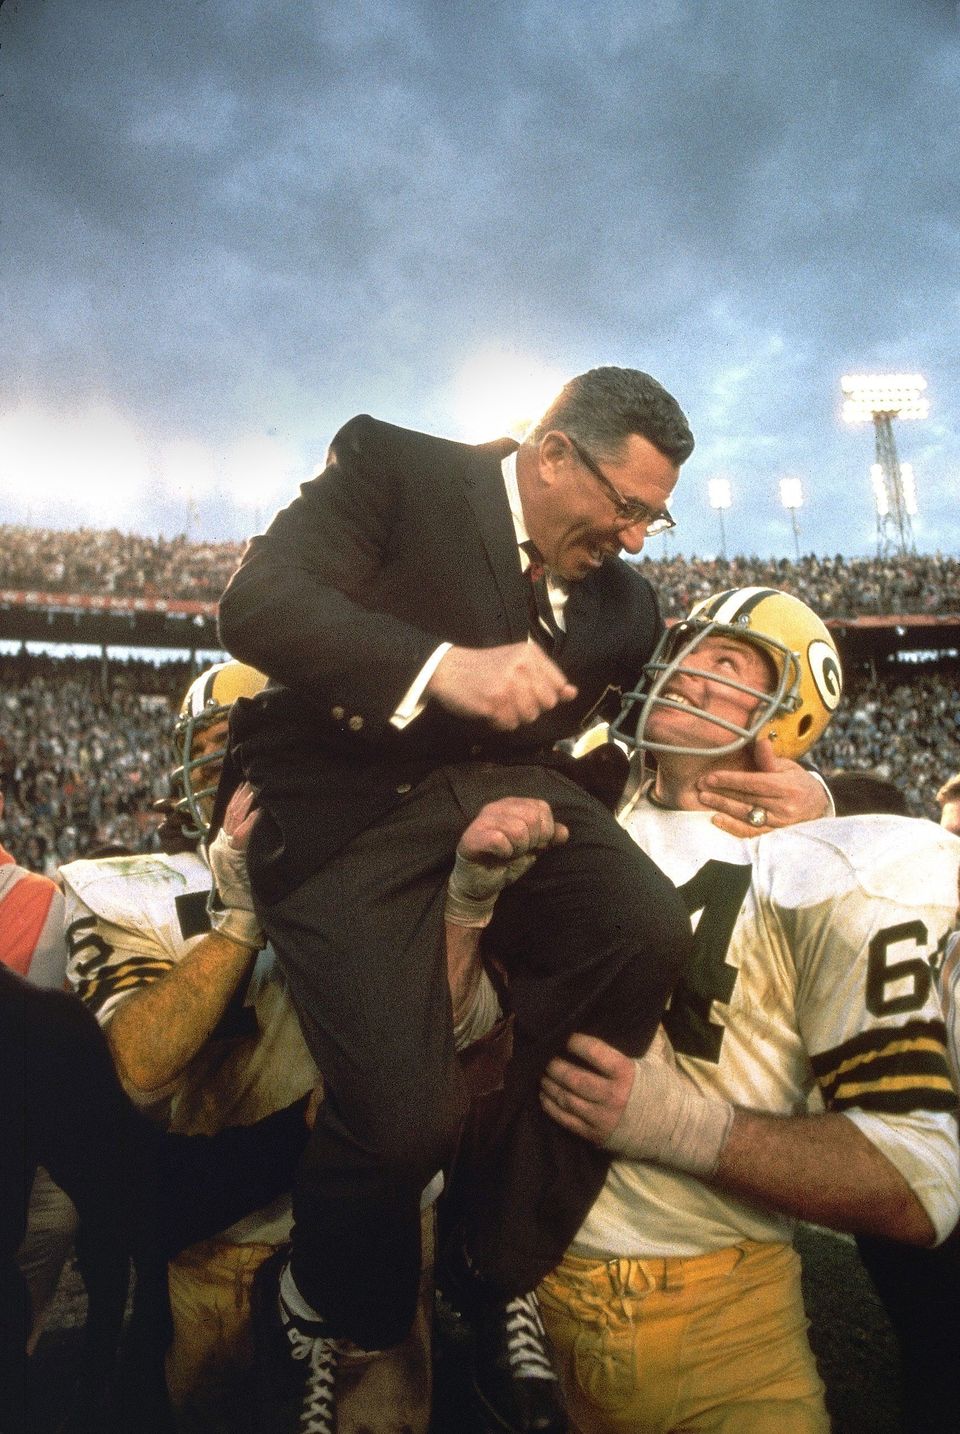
{"points": [[836, 587], [908, 732], [114, 564], [81, 766], [85, 744]]}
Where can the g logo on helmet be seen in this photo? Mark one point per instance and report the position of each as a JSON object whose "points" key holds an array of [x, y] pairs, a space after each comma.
{"points": [[825, 671]]}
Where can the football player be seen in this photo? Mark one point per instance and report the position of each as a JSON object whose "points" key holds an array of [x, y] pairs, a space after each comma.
{"points": [[199, 1029], [204, 1036], [679, 1304]]}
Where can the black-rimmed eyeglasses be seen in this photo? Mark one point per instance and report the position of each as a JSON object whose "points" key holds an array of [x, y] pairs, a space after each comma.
{"points": [[629, 511]]}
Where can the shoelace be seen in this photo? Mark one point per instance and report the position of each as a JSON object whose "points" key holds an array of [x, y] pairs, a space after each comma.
{"points": [[318, 1410], [527, 1339]]}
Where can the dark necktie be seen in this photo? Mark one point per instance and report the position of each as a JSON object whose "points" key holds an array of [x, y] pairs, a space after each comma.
{"points": [[543, 622]]}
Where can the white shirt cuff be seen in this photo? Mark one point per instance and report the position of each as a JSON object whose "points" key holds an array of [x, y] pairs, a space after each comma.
{"points": [[831, 805], [412, 702]]}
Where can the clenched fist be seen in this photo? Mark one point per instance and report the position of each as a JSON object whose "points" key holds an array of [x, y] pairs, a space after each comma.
{"points": [[505, 686]]}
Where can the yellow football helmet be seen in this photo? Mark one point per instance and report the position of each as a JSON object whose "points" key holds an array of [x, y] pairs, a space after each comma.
{"points": [[207, 701], [809, 680]]}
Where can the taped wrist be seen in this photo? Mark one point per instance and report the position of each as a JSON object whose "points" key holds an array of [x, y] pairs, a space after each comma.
{"points": [[473, 888], [230, 903], [668, 1120]]}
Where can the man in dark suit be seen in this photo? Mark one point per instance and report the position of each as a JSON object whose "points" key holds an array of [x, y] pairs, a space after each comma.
{"points": [[394, 604]]}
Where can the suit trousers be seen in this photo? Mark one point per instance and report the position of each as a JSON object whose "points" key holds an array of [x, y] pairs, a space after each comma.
{"points": [[592, 937]]}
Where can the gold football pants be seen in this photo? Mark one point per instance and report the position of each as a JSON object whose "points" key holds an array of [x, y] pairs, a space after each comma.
{"points": [[712, 1342], [210, 1361]]}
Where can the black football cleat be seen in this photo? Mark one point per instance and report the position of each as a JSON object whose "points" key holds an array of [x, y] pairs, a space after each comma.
{"points": [[514, 1378]]}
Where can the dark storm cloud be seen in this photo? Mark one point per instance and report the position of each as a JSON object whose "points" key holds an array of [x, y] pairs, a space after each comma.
{"points": [[237, 217]]}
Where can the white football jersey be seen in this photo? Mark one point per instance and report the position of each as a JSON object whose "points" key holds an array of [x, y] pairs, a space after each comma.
{"points": [[812, 971], [129, 920], [950, 997]]}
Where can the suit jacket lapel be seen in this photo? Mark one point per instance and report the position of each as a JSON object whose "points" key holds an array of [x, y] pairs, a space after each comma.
{"points": [[487, 497]]}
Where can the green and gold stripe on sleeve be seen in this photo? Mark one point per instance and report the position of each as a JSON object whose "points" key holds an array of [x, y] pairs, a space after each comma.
{"points": [[889, 1069]]}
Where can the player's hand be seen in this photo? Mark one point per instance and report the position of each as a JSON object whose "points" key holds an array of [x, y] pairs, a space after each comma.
{"points": [[230, 905], [589, 1095], [500, 844], [240, 816], [645, 1109], [783, 790], [511, 829], [506, 687]]}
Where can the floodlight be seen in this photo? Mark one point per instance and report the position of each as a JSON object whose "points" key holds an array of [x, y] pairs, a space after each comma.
{"points": [[880, 398], [897, 394], [881, 501], [791, 492], [719, 493]]}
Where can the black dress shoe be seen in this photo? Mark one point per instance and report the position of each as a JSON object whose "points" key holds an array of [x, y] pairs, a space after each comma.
{"points": [[514, 1378]]}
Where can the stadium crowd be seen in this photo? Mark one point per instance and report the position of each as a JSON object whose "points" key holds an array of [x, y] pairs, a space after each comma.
{"points": [[115, 564], [906, 731], [82, 767], [833, 586]]}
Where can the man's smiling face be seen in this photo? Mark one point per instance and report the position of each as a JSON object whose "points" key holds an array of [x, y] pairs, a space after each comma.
{"points": [[576, 525], [699, 696]]}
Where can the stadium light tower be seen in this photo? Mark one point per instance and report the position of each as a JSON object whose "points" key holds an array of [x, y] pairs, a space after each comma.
{"points": [[791, 496], [882, 398], [721, 499]]}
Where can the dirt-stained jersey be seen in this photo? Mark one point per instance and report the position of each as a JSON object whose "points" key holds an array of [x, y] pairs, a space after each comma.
{"points": [[812, 970], [129, 920]]}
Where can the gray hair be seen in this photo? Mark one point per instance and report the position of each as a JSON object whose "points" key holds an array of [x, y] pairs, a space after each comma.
{"points": [[602, 407]]}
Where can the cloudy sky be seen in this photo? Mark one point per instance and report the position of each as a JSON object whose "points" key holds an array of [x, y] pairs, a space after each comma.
{"points": [[228, 225]]}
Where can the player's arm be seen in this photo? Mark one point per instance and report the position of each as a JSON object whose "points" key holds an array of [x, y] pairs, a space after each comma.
{"points": [[474, 1001], [821, 1168], [155, 1012], [815, 1167], [158, 1030], [500, 844]]}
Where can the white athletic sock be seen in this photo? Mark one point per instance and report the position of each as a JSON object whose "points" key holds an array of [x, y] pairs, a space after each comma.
{"points": [[292, 1300]]}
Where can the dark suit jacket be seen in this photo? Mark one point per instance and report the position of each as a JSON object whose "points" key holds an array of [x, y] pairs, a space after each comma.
{"points": [[403, 542]]}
